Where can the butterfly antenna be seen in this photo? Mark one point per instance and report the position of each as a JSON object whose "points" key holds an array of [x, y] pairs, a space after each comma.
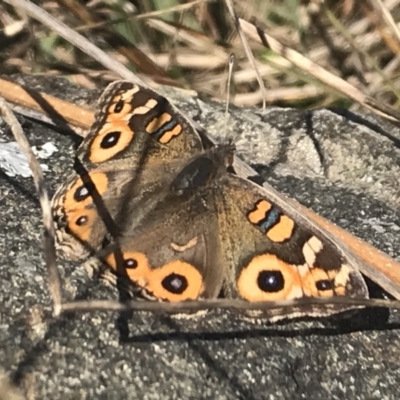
{"points": [[247, 49], [231, 63]]}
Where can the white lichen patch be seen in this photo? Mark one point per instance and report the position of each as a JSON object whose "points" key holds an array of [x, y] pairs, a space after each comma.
{"points": [[13, 162]]}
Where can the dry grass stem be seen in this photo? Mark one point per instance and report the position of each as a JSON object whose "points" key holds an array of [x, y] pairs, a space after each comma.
{"points": [[49, 234]]}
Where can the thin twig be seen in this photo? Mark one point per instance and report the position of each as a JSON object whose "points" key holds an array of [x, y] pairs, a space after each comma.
{"points": [[49, 235], [387, 17], [225, 304], [247, 49]]}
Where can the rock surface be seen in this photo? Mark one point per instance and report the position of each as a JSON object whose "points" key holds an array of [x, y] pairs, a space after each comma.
{"points": [[344, 166]]}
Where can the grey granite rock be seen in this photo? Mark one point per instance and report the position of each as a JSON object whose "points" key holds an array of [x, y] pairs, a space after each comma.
{"points": [[344, 166]]}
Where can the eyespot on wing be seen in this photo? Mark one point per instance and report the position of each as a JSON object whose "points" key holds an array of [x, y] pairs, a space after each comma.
{"points": [[267, 278], [112, 139], [79, 194], [134, 264], [176, 281]]}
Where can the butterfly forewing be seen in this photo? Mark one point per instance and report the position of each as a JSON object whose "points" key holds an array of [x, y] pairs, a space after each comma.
{"points": [[124, 163]]}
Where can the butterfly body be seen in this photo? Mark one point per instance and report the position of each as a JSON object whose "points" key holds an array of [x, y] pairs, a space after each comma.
{"points": [[175, 220]]}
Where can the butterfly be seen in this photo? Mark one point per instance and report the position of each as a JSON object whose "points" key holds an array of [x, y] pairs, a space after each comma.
{"points": [[154, 203]]}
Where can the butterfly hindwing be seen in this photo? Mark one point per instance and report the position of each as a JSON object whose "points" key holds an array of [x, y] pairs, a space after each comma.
{"points": [[279, 259], [174, 254]]}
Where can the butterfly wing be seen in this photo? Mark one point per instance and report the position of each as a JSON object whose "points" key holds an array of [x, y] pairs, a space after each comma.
{"points": [[135, 126], [175, 254], [128, 156], [216, 232], [272, 257]]}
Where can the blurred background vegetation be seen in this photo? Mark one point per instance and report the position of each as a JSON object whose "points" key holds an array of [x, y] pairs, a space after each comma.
{"points": [[187, 43]]}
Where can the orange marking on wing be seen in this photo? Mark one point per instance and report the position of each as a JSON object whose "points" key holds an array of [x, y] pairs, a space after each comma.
{"points": [[260, 211], [338, 279], [169, 135], [181, 269], [309, 283], [282, 231], [78, 226], [123, 115], [99, 154], [121, 106], [248, 281], [156, 123], [129, 94], [142, 110], [342, 277], [139, 273], [99, 180]]}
